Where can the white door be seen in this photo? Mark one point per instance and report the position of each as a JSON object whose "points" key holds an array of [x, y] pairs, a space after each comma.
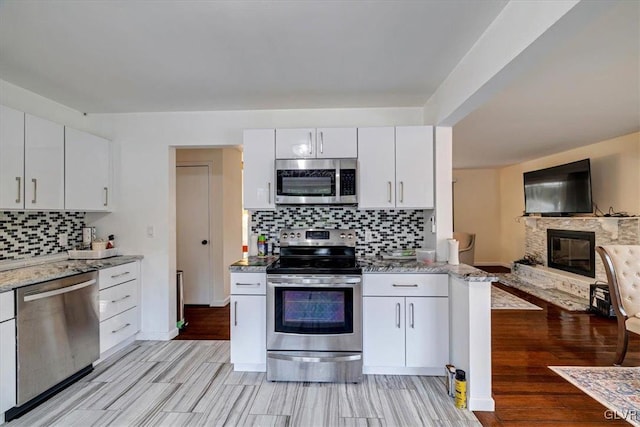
{"points": [[295, 143], [376, 168], [193, 236], [43, 164], [414, 167], [258, 156], [427, 321], [337, 143], [11, 158], [383, 334]]}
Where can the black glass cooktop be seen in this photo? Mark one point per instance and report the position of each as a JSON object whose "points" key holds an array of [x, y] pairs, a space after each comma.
{"points": [[316, 260]]}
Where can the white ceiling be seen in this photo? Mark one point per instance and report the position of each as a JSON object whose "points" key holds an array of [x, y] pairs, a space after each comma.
{"points": [[144, 56]]}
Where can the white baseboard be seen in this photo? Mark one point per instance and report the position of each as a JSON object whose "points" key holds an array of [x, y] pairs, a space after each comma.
{"points": [[220, 303], [482, 404], [158, 336], [115, 349]]}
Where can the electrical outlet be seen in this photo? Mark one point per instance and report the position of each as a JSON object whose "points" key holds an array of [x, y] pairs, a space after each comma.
{"points": [[150, 231], [368, 236], [63, 241]]}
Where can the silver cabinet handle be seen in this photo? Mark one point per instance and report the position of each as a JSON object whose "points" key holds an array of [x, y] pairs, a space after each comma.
{"points": [[19, 180], [121, 328], [106, 196], [115, 276], [235, 313], [248, 284], [389, 190], [269, 192], [321, 142], [121, 299], [401, 192], [395, 285], [46, 294], [411, 315], [35, 190], [398, 315], [310, 141]]}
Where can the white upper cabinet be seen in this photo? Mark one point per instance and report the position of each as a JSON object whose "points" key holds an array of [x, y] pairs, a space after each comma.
{"points": [[258, 170], [87, 171], [310, 143], [44, 164], [376, 168], [396, 167], [337, 143], [414, 167], [11, 158]]}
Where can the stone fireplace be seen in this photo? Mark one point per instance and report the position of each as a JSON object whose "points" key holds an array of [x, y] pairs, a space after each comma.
{"points": [[569, 261]]}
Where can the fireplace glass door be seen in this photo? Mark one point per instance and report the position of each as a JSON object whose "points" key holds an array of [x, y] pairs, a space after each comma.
{"points": [[572, 251]]}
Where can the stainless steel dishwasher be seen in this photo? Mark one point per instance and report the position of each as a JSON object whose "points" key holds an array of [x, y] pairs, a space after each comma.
{"points": [[58, 335]]}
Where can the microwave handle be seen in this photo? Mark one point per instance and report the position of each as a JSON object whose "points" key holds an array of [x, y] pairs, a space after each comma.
{"points": [[268, 193], [310, 142]]}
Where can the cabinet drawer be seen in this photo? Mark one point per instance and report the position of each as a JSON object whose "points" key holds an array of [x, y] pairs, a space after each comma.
{"points": [[119, 298], [248, 283], [115, 330], [6, 306], [425, 285], [119, 274]]}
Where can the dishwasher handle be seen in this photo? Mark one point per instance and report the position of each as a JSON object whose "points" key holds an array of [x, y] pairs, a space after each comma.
{"points": [[47, 294]]}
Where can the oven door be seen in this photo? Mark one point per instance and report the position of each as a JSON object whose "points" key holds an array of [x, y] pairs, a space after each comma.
{"points": [[314, 313], [307, 181]]}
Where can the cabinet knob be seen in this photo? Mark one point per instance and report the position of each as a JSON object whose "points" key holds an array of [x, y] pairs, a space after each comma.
{"points": [[204, 242]]}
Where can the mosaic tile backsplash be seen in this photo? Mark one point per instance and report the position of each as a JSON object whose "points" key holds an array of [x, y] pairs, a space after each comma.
{"points": [[390, 229], [29, 234]]}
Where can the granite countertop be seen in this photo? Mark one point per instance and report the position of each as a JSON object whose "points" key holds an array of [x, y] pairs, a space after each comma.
{"points": [[379, 265], [18, 277]]}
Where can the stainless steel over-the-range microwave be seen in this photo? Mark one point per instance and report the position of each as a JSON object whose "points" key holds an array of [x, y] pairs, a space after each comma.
{"points": [[316, 181]]}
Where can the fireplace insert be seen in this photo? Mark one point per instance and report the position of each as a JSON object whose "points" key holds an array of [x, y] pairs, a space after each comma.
{"points": [[572, 251]]}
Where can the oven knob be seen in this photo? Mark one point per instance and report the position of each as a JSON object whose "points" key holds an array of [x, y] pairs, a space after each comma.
{"points": [[284, 235], [298, 235], [350, 236], [342, 236]]}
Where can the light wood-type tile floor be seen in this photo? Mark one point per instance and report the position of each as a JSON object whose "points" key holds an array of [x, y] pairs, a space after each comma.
{"points": [[192, 383]]}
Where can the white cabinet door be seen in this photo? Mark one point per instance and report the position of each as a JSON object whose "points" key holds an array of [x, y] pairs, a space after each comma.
{"points": [[87, 164], [258, 170], [414, 167], [7, 365], [248, 329], [337, 143], [295, 143], [376, 168], [44, 164], [11, 158], [427, 323], [383, 331]]}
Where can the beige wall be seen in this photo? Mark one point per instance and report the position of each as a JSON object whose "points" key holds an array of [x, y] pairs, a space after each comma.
{"points": [[615, 168], [225, 209], [476, 209]]}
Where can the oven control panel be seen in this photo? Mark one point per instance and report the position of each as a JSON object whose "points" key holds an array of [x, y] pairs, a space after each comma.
{"points": [[317, 237]]}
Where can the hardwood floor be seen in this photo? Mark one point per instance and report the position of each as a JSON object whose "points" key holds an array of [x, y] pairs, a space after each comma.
{"points": [[205, 323], [525, 343]]}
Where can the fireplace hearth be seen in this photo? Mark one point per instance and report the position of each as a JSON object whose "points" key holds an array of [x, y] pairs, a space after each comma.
{"points": [[572, 251]]}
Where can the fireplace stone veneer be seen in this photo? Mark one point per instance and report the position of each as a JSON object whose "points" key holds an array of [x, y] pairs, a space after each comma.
{"points": [[607, 231]]}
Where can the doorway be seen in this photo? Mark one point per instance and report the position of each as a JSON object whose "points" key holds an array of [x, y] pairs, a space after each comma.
{"points": [[193, 234]]}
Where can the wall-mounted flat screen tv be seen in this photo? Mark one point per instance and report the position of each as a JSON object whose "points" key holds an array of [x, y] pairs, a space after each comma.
{"points": [[559, 190]]}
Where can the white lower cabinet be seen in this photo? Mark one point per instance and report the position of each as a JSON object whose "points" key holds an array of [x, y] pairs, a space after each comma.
{"points": [[248, 322], [7, 354], [118, 301], [405, 324]]}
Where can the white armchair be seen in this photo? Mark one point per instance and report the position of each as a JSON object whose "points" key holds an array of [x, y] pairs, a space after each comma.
{"points": [[466, 248], [622, 264]]}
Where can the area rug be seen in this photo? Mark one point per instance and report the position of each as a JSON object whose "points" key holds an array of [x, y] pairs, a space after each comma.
{"points": [[617, 388], [502, 300]]}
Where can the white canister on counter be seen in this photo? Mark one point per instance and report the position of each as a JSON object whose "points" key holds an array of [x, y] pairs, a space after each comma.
{"points": [[453, 251], [253, 245]]}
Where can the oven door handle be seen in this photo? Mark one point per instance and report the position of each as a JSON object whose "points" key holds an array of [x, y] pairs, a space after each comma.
{"points": [[312, 359], [315, 281]]}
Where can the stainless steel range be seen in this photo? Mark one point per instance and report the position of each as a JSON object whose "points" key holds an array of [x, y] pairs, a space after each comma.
{"points": [[314, 308]]}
